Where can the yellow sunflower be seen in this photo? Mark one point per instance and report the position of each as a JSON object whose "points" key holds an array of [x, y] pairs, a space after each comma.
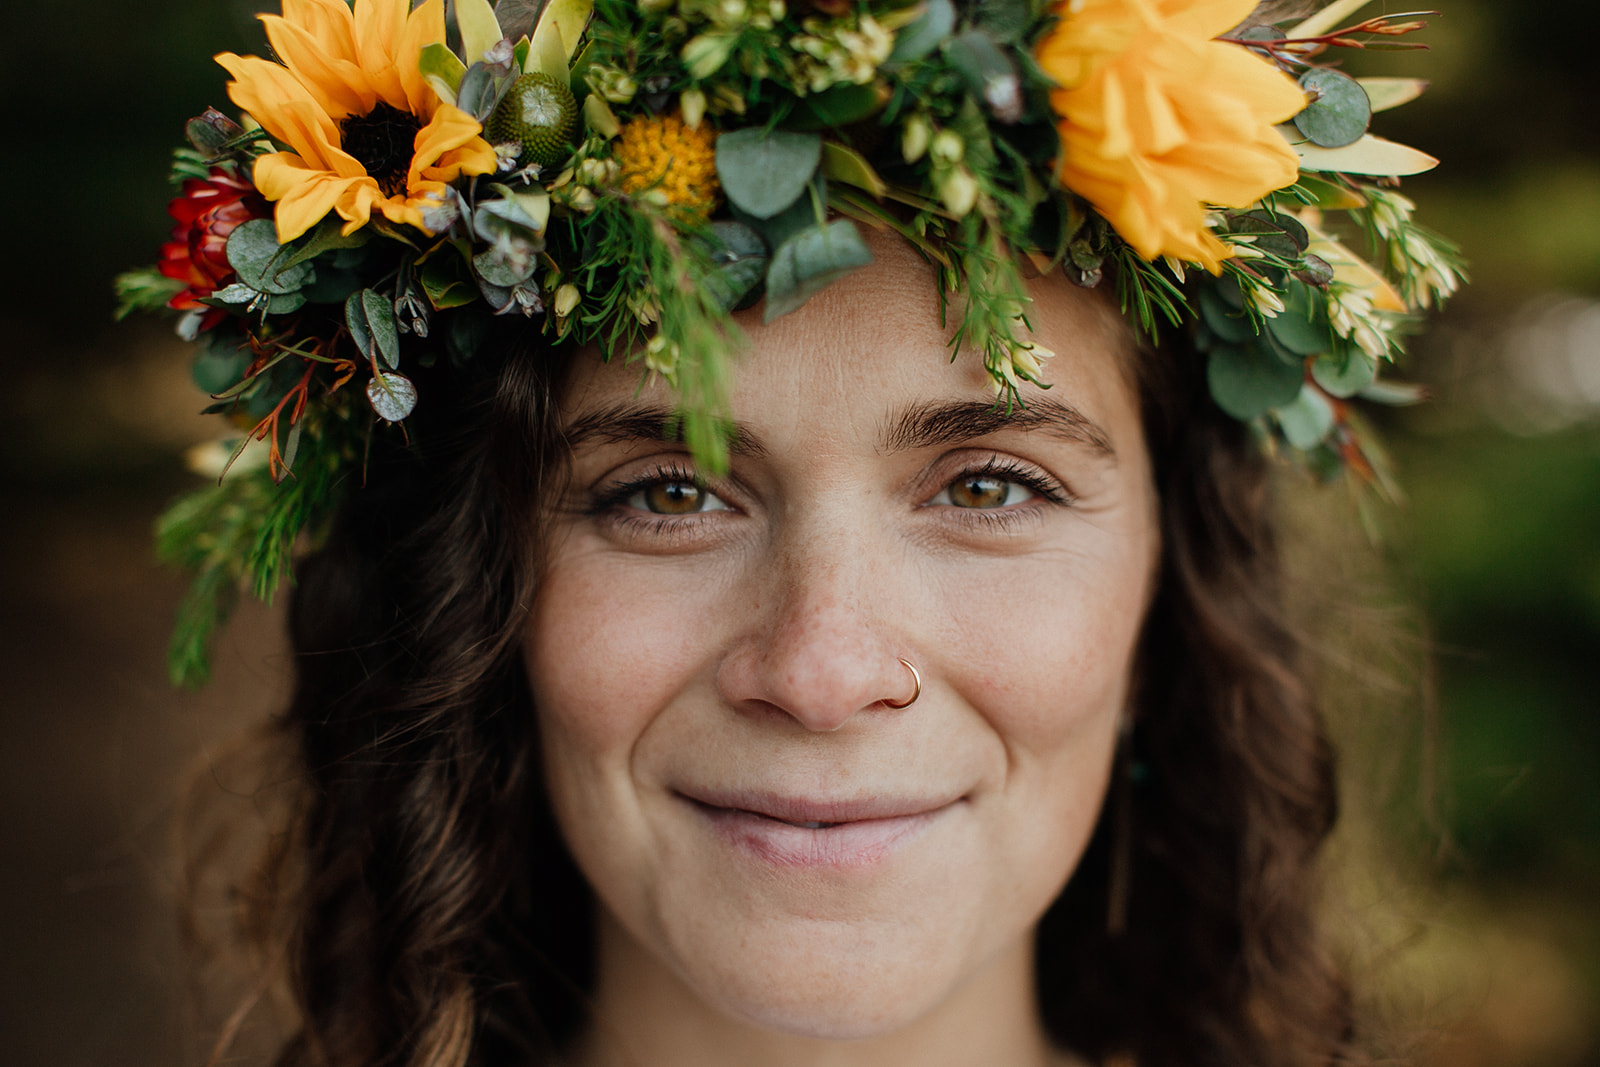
{"points": [[365, 128], [1159, 120]]}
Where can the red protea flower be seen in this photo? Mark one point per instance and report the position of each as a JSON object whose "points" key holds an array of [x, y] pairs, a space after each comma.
{"points": [[207, 212]]}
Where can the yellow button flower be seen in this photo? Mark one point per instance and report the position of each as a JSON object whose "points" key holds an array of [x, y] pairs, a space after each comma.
{"points": [[665, 156], [1159, 120], [366, 131]]}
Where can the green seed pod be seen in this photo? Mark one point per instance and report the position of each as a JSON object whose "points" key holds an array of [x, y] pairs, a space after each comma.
{"points": [[540, 114]]}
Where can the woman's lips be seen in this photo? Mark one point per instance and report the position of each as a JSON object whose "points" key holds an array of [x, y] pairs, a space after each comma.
{"points": [[795, 832]]}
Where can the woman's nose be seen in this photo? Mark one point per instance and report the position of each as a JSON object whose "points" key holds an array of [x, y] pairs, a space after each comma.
{"points": [[822, 653]]}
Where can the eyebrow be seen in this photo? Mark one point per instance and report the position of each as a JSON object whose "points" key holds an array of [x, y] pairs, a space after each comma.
{"points": [[630, 422], [946, 423]]}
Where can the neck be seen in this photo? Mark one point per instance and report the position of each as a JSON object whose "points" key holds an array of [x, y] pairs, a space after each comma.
{"points": [[645, 1016]]}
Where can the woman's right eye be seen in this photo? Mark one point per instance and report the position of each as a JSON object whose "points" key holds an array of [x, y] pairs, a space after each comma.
{"points": [[675, 496]]}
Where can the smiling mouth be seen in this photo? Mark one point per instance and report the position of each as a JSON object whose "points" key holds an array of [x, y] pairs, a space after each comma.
{"points": [[795, 833]]}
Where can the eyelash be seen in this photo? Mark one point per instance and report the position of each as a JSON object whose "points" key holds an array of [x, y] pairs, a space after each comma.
{"points": [[611, 502], [1005, 520]]}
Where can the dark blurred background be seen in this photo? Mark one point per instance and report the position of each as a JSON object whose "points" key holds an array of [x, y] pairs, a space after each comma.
{"points": [[1463, 653]]}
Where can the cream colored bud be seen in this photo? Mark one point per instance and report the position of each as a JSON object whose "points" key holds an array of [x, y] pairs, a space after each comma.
{"points": [[914, 139], [566, 300], [693, 104], [947, 147], [581, 199], [959, 191]]}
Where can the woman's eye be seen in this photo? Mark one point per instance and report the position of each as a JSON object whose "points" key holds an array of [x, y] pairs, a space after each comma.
{"points": [[983, 491], [675, 497]]}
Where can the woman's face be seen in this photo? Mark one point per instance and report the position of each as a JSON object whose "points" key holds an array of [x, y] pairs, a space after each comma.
{"points": [[714, 659]]}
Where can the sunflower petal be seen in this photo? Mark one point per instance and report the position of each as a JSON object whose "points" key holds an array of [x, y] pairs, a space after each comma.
{"points": [[378, 26], [284, 107], [304, 193], [448, 147], [355, 204], [329, 23], [337, 83], [423, 27]]}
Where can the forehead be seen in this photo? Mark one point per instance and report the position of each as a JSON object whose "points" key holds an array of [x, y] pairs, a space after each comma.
{"points": [[850, 362]]}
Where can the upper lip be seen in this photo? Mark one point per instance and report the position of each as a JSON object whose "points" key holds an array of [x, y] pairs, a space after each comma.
{"points": [[795, 809]]}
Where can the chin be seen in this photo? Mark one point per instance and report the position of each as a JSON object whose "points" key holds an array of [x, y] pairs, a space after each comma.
{"points": [[840, 982]]}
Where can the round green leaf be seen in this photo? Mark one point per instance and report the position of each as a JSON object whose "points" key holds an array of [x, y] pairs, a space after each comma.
{"points": [[1230, 324], [811, 261], [1302, 325], [1344, 374], [1339, 111], [764, 171], [220, 365], [392, 396], [740, 256], [254, 252], [1306, 420], [1247, 383], [922, 36]]}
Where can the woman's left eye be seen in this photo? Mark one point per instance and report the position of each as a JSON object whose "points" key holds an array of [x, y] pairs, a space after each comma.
{"points": [[983, 491]]}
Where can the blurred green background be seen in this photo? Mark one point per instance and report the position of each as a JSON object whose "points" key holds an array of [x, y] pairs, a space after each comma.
{"points": [[1463, 656]]}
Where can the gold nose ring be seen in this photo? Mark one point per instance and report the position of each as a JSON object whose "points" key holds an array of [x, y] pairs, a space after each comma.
{"points": [[916, 687]]}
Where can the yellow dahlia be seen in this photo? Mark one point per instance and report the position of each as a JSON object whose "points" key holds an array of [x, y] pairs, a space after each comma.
{"points": [[1159, 119], [366, 131]]}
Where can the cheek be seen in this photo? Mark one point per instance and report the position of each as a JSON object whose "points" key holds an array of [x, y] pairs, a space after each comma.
{"points": [[1053, 658], [605, 653]]}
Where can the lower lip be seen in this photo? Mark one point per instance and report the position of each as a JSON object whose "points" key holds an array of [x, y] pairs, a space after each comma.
{"points": [[848, 844]]}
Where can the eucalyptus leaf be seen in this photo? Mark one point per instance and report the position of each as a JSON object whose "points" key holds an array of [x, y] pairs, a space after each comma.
{"points": [[253, 251], [328, 236], [839, 106], [740, 262], [1344, 374], [989, 73], [1230, 324], [237, 293], [762, 172], [501, 271], [370, 318], [801, 215], [285, 303], [811, 261], [220, 365], [1247, 383], [1339, 111], [1306, 419], [937, 21], [1005, 20], [392, 396], [1302, 325]]}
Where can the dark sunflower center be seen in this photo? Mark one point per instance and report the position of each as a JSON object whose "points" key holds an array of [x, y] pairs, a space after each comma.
{"points": [[383, 141]]}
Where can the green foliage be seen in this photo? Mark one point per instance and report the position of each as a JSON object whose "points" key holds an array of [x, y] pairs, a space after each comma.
{"points": [[241, 533], [144, 290]]}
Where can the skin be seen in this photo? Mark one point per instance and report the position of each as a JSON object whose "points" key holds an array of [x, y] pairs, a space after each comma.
{"points": [[694, 671]]}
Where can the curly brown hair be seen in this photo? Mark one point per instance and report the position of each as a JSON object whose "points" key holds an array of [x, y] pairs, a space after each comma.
{"points": [[433, 916]]}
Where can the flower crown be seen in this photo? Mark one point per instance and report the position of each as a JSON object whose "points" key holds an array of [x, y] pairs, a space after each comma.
{"points": [[625, 173]]}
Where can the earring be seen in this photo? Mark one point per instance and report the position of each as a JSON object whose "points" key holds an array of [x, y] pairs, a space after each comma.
{"points": [[916, 688]]}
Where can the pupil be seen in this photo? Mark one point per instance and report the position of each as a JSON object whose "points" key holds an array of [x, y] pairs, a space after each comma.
{"points": [[674, 498], [383, 141], [979, 493]]}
